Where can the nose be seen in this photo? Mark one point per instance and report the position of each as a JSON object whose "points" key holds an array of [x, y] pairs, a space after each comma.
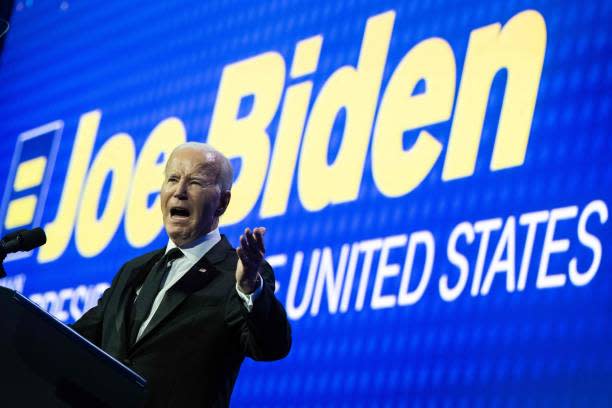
{"points": [[180, 191]]}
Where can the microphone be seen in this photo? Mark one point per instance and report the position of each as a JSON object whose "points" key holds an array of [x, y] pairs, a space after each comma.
{"points": [[22, 240]]}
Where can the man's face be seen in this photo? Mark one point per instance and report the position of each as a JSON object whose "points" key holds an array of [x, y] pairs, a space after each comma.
{"points": [[190, 195]]}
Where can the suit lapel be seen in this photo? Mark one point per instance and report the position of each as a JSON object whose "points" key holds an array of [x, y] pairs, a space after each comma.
{"points": [[120, 305], [193, 281]]}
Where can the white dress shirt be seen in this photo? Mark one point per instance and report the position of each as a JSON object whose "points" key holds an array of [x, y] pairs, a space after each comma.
{"points": [[191, 254]]}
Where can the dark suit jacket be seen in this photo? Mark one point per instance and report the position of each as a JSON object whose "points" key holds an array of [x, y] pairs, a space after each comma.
{"points": [[192, 349]]}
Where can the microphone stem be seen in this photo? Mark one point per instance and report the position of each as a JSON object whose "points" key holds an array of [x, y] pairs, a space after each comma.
{"points": [[3, 254]]}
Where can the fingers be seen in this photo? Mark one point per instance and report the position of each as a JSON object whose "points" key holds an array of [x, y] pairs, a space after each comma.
{"points": [[250, 239], [243, 242], [250, 253], [243, 251], [253, 244], [259, 233], [241, 254]]}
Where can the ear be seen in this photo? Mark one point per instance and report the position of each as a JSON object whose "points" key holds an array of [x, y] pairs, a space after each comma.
{"points": [[224, 201]]}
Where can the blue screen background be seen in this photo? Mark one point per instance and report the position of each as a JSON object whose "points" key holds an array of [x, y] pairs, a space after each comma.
{"points": [[140, 62]]}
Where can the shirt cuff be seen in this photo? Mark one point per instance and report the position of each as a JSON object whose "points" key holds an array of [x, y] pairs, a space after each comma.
{"points": [[248, 299]]}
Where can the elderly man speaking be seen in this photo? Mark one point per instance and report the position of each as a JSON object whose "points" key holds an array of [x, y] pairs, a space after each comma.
{"points": [[184, 317]]}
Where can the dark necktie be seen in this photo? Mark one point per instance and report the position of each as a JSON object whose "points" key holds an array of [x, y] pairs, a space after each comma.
{"points": [[149, 290]]}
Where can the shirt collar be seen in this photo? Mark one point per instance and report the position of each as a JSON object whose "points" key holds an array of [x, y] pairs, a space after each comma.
{"points": [[199, 247]]}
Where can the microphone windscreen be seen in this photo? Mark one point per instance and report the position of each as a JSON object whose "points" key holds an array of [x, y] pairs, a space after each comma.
{"points": [[13, 235], [33, 239]]}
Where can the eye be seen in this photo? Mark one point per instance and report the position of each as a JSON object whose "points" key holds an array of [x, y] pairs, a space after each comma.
{"points": [[172, 179]]}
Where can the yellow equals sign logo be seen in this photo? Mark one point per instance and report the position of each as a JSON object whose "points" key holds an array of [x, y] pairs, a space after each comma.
{"points": [[21, 210], [29, 178]]}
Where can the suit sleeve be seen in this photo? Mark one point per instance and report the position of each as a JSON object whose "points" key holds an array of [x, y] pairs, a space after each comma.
{"points": [[90, 324], [265, 333]]}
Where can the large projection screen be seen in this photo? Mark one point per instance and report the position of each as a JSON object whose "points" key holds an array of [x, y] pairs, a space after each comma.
{"points": [[435, 179]]}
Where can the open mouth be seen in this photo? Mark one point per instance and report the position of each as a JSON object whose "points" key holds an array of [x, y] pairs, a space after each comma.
{"points": [[179, 212]]}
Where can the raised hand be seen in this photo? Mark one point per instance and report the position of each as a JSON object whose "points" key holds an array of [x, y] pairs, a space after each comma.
{"points": [[250, 255]]}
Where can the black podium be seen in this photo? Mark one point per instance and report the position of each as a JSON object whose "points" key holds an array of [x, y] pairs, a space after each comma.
{"points": [[44, 363]]}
